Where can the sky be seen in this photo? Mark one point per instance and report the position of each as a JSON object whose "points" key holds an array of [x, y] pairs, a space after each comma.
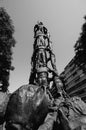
{"points": [[63, 19]]}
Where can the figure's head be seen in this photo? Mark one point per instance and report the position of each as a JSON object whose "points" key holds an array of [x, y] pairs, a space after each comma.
{"points": [[40, 29], [42, 79], [27, 108]]}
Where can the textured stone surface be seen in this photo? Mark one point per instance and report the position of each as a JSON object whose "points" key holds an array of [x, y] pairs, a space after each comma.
{"points": [[4, 98]]}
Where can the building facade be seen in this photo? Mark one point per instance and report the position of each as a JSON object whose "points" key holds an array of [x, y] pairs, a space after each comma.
{"points": [[75, 80]]}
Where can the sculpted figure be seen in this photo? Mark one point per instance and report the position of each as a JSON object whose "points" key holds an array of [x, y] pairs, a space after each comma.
{"points": [[42, 104]]}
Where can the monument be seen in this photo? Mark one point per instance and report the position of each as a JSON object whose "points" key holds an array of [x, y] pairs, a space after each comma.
{"points": [[43, 61], [42, 104]]}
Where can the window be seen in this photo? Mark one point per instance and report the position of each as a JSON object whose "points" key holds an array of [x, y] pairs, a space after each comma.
{"points": [[74, 73], [77, 78]]}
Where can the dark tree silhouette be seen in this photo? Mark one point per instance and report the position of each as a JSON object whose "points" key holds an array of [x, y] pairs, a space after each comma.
{"points": [[80, 49], [7, 41]]}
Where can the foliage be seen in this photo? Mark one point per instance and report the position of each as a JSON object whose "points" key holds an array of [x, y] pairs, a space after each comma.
{"points": [[7, 41], [80, 49]]}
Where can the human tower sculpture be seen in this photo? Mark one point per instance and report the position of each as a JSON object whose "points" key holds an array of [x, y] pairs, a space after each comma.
{"points": [[44, 72], [42, 104]]}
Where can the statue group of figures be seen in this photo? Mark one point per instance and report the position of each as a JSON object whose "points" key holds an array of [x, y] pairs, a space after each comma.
{"points": [[34, 106]]}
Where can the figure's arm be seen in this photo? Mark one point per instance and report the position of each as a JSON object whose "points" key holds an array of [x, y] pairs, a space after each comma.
{"points": [[49, 122]]}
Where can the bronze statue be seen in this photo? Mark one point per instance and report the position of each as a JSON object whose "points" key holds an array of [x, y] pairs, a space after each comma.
{"points": [[42, 104], [42, 55]]}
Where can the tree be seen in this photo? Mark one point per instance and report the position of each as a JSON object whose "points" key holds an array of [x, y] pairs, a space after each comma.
{"points": [[80, 49], [7, 41]]}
